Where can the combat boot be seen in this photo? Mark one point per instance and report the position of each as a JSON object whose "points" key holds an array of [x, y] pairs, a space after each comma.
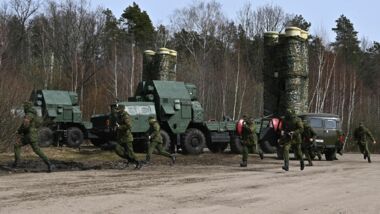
{"points": [[319, 157], [138, 165], [302, 165], [310, 163], [51, 168], [15, 164], [243, 164], [365, 156], [286, 166], [173, 157], [261, 154], [369, 159]]}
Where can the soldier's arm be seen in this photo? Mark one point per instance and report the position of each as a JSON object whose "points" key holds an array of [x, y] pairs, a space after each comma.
{"points": [[155, 130], [370, 135]]}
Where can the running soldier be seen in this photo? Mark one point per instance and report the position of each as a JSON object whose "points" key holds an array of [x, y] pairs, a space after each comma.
{"points": [[361, 135], [27, 134], [156, 141], [249, 141], [291, 136], [124, 146], [308, 137]]}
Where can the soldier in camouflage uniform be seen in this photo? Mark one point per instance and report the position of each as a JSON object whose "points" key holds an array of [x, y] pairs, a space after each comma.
{"points": [[27, 134], [124, 146], [291, 136], [156, 141], [249, 141], [361, 135], [308, 137]]}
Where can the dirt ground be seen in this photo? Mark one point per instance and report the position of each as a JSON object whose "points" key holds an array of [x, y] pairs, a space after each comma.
{"points": [[209, 183]]}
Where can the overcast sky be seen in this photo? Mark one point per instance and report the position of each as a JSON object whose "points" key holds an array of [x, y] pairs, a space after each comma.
{"points": [[364, 14]]}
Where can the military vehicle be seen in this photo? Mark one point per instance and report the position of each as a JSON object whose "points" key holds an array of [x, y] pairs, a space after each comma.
{"points": [[179, 113], [330, 137], [328, 141], [61, 118]]}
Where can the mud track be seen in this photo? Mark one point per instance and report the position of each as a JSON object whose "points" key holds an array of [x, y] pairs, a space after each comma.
{"points": [[209, 183]]}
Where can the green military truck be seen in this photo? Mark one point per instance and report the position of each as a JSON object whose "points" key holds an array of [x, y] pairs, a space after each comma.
{"points": [[329, 139], [180, 114], [61, 118]]}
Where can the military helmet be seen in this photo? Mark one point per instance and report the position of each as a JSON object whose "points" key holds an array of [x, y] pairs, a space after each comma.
{"points": [[28, 107], [152, 120]]}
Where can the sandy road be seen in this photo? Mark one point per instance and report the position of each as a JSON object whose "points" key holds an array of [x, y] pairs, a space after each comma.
{"points": [[349, 185]]}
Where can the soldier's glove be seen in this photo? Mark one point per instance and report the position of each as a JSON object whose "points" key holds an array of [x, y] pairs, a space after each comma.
{"points": [[374, 142]]}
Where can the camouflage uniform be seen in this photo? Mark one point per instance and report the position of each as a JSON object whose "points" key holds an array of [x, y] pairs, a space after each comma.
{"points": [[291, 136], [124, 146], [308, 136], [28, 135], [156, 141], [361, 135], [249, 141]]}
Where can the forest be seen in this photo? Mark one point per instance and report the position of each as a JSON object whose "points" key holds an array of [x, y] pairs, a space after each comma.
{"points": [[69, 45]]}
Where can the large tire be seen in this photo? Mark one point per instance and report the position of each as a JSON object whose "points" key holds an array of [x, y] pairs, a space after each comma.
{"points": [[193, 142], [236, 146], [166, 141], [268, 141], [74, 137], [330, 154], [267, 147], [217, 147], [98, 142], [45, 137]]}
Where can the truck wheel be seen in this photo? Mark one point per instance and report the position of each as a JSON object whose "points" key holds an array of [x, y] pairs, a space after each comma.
{"points": [[330, 154], [98, 142], [235, 145], [74, 137], [193, 142], [45, 137], [166, 142], [217, 147], [267, 147]]}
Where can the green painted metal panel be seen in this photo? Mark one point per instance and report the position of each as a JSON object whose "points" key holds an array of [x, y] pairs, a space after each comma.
{"points": [[171, 89], [54, 97]]}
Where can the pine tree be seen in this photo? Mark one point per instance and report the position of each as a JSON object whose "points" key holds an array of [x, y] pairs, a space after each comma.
{"points": [[346, 41], [138, 24]]}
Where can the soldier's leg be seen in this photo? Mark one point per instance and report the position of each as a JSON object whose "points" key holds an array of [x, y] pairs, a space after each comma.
{"points": [[298, 150], [162, 151], [17, 151], [42, 155], [120, 151], [130, 152], [151, 147], [257, 150], [287, 146], [38, 151], [367, 152], [362, 149], [308, 156], [244, 153]]}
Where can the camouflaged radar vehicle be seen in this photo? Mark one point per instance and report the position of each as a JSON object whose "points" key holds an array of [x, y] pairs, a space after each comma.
{"points": [[179, 113], [61, 118]]}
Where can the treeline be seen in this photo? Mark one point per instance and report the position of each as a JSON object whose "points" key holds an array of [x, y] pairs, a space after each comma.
{"points": [[70, 46]]}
